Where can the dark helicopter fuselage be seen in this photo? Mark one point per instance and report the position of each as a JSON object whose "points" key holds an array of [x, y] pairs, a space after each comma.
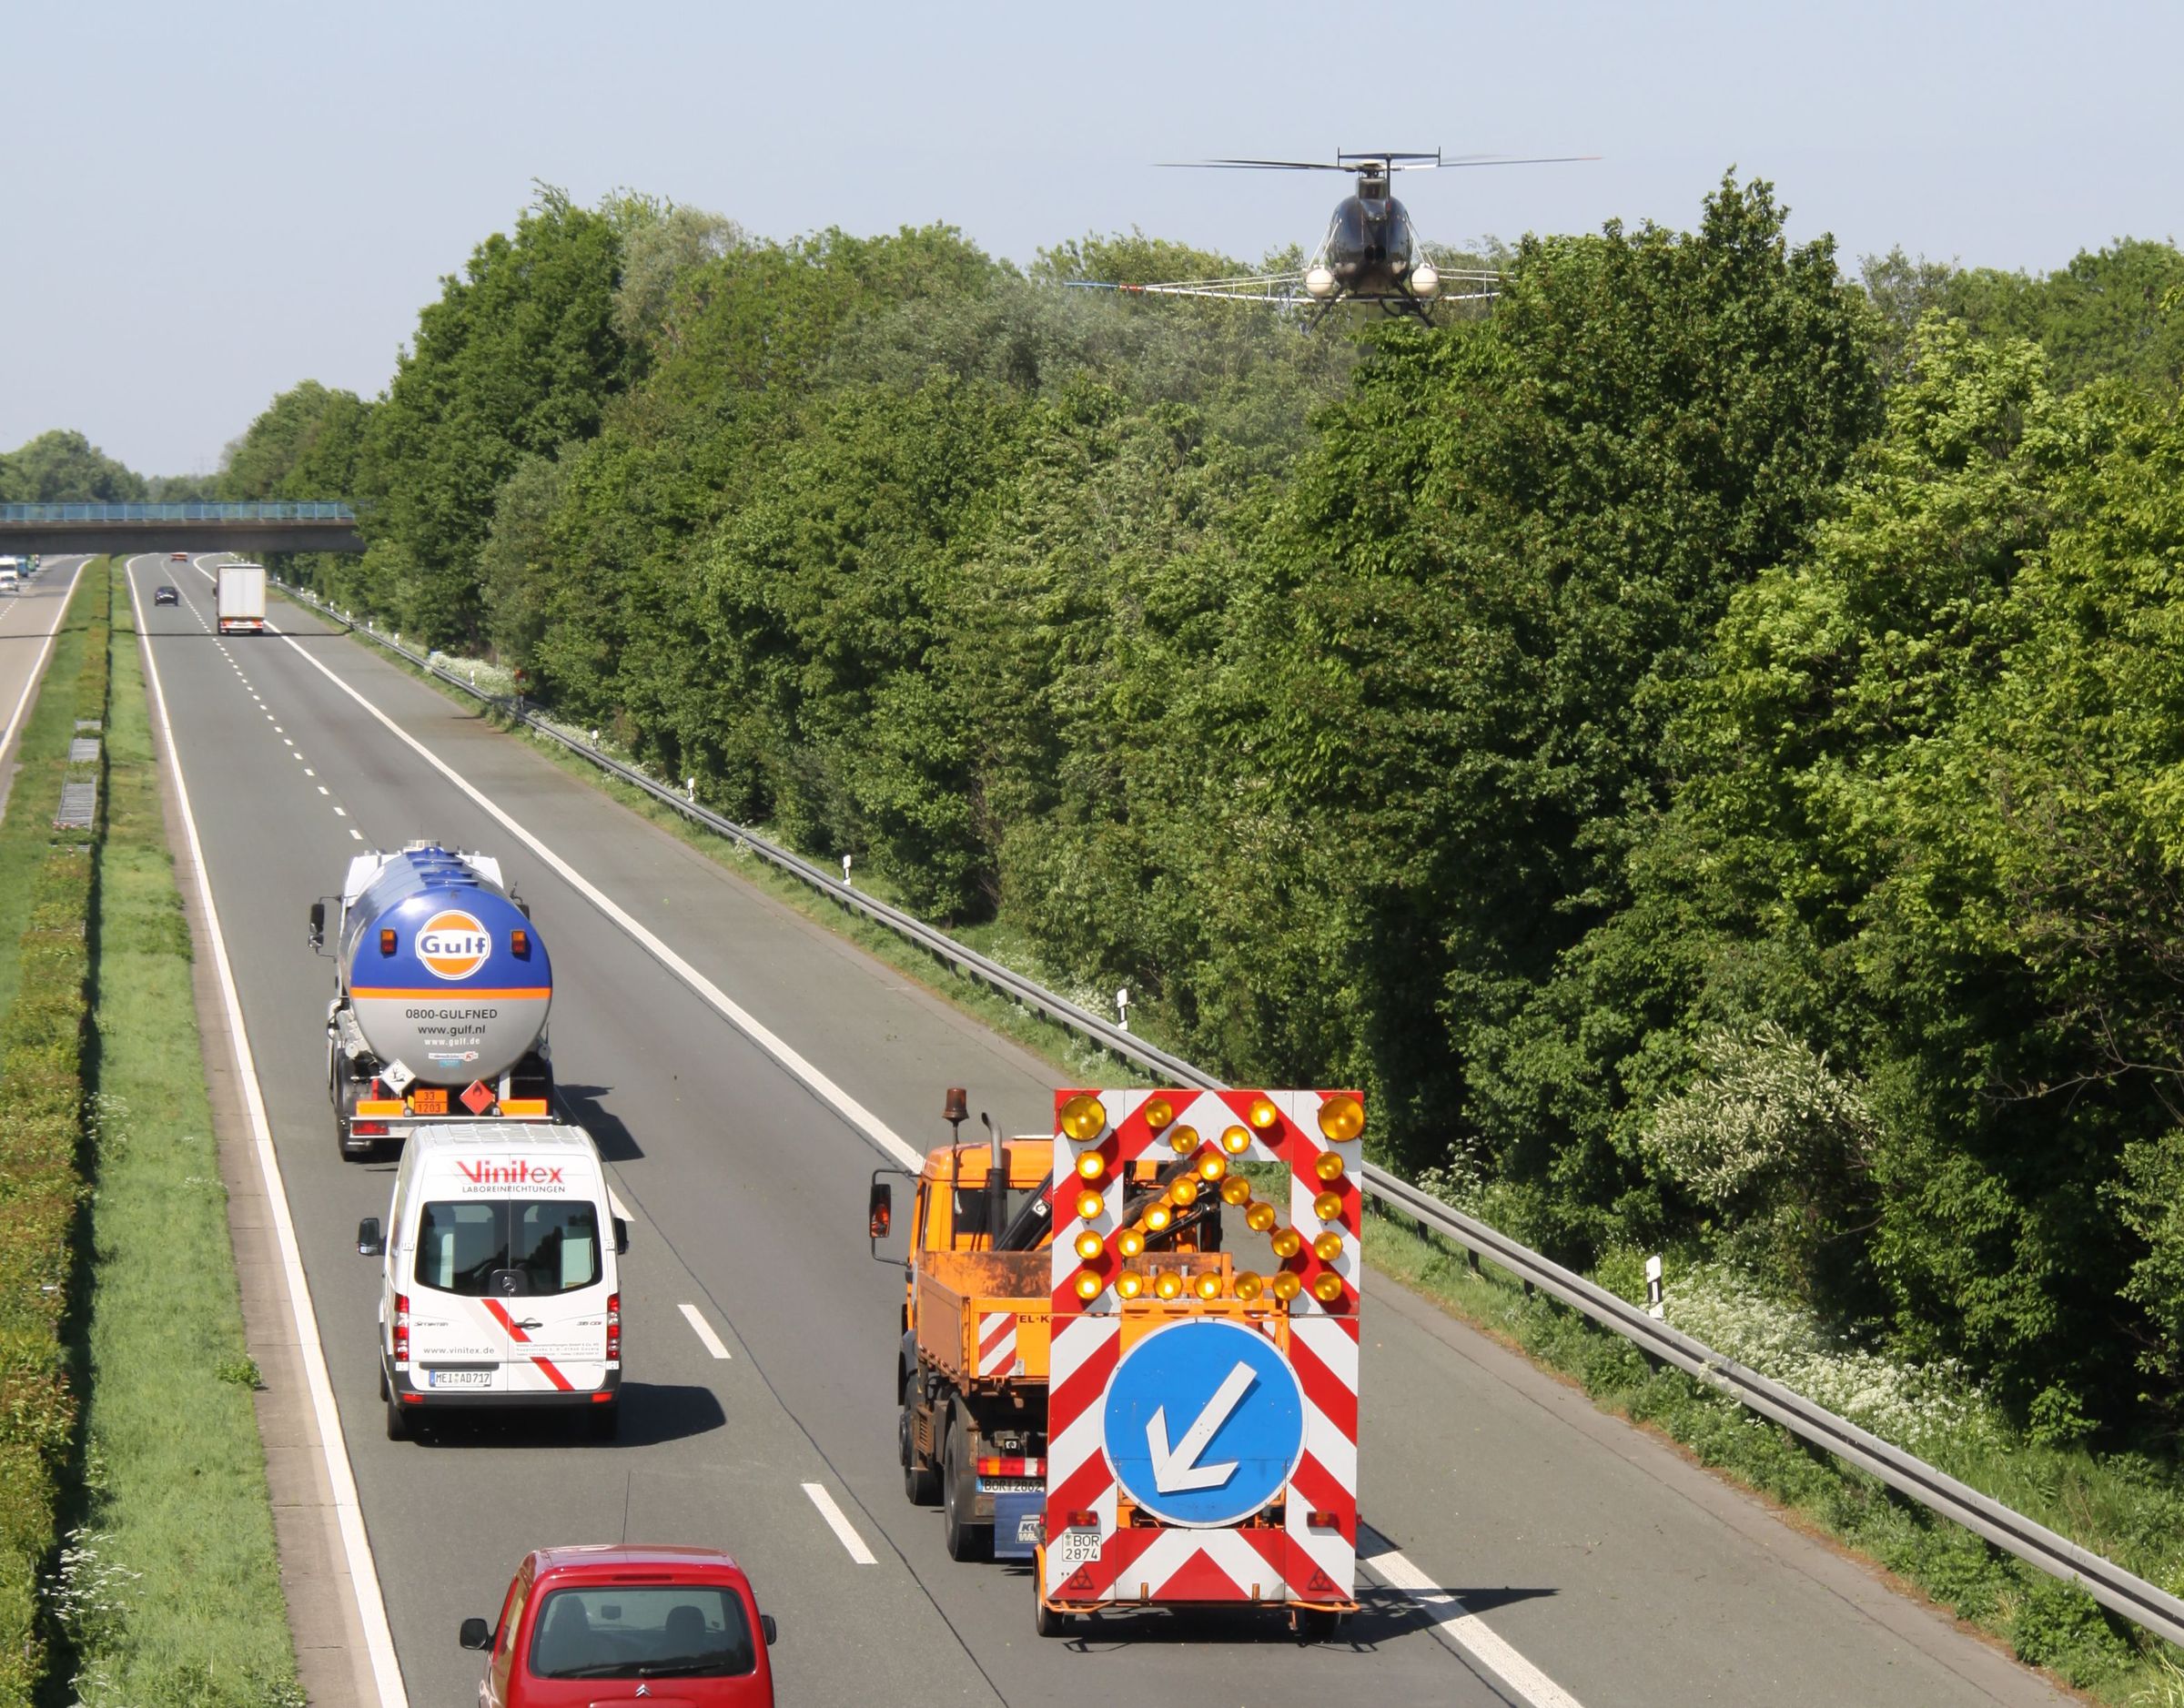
{"points": [[1370, 247]]}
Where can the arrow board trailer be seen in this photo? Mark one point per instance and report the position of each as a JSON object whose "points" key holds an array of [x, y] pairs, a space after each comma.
{"points": [[1202, 1445], [441, 988], [1130, 1357]]}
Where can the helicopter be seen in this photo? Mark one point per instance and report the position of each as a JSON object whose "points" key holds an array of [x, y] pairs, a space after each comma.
{"points": [[1372, 253]]}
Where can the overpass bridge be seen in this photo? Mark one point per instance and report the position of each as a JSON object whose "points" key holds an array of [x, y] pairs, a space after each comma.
{"points": [[250, 529]]}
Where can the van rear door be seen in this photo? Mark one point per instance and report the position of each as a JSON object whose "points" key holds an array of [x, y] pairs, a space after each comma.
{"points": [[459, 1335], [557, 1321]]}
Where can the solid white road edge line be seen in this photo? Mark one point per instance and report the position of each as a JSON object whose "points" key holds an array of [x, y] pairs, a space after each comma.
{"points": [[843, 1530], [363, 1573], [1461, 1626], [876, 1132], [703, 1330], [37, 671]]}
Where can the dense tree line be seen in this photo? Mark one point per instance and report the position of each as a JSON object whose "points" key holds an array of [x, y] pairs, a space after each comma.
{"points": [[61, 467], [1700, 744]]}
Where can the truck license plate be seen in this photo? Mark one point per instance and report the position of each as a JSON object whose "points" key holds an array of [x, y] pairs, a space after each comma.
{"points": [[1077, 1548], [458, 1379]]}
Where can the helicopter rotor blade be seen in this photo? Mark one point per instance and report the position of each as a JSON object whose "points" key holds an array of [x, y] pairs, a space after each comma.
{"points": [[1261, 165], [1492, 159]]}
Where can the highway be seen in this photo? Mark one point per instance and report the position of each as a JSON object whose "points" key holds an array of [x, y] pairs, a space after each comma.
{"points": [[28, 622], [1548, 1555]]}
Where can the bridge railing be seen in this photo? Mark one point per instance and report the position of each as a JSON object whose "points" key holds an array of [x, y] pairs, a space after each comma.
{"points": [[193, 511], [2125, 1593]]}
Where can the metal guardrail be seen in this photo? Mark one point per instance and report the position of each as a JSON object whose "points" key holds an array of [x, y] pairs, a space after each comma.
{"points": [[266, 511], [2124, 1592]]}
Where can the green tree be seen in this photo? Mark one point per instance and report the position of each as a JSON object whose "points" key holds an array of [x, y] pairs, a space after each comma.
{"points": [[63, 467], [518, 356]]}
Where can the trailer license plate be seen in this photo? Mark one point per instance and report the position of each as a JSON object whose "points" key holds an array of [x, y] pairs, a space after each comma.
{"points": [[458, 1379], [433, 1101], [1077, 1548]]}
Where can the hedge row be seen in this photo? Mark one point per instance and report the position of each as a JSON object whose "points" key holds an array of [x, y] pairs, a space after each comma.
{"points": [[43, 1188]]}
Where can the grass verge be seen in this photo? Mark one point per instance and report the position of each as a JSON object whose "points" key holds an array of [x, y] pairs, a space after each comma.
{"points": [[171, 1583], [42, 1188], [2132, 1512]]}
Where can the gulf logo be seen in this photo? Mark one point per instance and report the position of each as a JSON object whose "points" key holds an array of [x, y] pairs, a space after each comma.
{"points": [[453, 945]]}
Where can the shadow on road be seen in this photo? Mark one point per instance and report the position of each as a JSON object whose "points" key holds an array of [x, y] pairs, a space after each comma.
{"points": [[1382, 1615], [580, 1103], [651, 1413]]}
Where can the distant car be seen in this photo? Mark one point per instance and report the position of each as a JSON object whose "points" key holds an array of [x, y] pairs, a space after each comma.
{"points": [[177, 557], [166, 596], [625, 1614]]}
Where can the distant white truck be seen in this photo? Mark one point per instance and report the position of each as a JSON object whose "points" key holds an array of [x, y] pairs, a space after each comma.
{"points": [[11, 575], [241, 598]]}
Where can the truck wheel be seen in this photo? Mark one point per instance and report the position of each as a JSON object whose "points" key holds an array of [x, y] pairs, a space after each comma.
{"points": [[959, 1499], [921, 1487], [1314, 1624], [1046, 1622]]}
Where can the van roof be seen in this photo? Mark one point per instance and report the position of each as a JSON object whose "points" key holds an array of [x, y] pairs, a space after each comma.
{"points": [[503, 1136]]}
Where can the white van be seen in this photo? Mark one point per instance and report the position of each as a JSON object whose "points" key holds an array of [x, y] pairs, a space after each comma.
{"points": [[10, 580], [500, 1281]]}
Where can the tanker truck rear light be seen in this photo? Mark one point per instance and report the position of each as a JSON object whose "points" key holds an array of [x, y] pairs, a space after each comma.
{"points": [[367, 1129], [387, 940], [402, 1330], [613, 1327]]}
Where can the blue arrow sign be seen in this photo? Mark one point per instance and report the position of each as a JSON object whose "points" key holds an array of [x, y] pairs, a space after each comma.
{"points": [[1203, 1422]]}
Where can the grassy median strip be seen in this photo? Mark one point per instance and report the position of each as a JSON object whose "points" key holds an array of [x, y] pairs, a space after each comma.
{"points": [[170, 1584], [43, 1047]]}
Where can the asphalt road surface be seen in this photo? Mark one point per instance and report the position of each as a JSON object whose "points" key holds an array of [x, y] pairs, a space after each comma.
{"points": [[1588, 1562], [28, 621]]}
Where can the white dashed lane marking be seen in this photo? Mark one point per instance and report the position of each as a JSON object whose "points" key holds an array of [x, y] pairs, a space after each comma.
{"points": [[258, 700], [703, 1330]]}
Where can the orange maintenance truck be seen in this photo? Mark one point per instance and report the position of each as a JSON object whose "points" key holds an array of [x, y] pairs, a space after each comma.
{"points": [[1154, 1414]]}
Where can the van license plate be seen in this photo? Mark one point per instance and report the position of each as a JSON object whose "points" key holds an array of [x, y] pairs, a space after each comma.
{"points": [[458, 1379], [1077, 1548]]}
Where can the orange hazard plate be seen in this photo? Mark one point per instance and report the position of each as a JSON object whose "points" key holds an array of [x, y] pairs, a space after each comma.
{"points": [[432, 1102]]}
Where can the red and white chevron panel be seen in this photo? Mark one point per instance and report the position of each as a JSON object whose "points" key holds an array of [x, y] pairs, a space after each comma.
{"points": [[1301, 1560], [997, 1343]]}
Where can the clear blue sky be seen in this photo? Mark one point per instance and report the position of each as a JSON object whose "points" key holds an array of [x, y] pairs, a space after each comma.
{"points": [[203, 205]]}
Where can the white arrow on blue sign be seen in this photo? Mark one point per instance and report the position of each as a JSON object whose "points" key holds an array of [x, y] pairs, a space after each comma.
{"points": [[1203, 1422]]}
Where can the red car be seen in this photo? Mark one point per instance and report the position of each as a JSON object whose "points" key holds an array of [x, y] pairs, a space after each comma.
{"points": [[623, 1623]]}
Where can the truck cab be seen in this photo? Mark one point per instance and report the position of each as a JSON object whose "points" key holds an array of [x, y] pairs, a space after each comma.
{"points": [[972, 1375]]}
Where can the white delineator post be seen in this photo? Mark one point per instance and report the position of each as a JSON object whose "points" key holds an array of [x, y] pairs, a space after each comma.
{"points": [[845, 883], [1653, 1289]]}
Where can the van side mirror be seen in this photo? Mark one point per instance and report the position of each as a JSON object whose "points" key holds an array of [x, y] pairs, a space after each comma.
{"points": [[475, 1634], [769, 1628], [370, 1241], [621, 1236], [317, 928], [879, 1214]]}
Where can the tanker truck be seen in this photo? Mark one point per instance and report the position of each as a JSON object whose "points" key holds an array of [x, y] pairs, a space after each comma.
{"points": [[442, 985]]}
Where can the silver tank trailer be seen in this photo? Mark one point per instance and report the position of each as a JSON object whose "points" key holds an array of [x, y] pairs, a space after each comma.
{"points": [[442, 972]]}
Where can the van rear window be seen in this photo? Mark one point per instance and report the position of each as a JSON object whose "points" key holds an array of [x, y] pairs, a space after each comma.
{"points": [[507, 1247]]}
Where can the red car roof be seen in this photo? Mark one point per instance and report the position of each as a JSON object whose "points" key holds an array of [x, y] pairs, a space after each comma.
{"points": [[605, 1562]]}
